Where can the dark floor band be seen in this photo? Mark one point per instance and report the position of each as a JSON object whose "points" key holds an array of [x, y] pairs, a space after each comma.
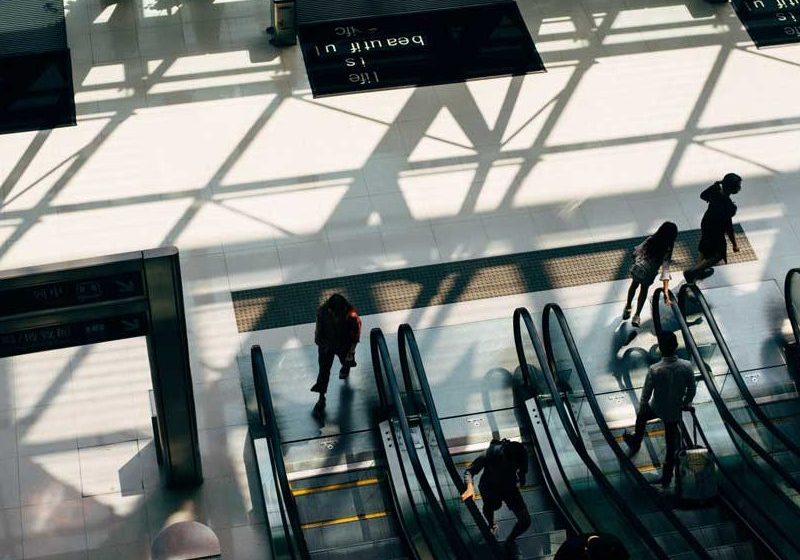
{"points": [[461, 281]]}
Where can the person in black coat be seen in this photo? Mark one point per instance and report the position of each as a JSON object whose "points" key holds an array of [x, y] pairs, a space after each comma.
{"points": [[717, 224], [505, 467], [337, 333]]}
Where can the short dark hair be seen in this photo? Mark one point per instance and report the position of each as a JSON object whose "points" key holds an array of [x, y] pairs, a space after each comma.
{"points": [[731, 183], [668, 343], [605, 547]]}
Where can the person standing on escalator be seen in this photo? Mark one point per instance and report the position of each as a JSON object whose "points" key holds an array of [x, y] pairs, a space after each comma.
{"points": [[337, 334], [668, 389], [505, 467]]}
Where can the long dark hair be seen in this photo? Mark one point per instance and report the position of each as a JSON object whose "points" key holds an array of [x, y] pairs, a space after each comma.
{"points": [[659, 245], [338, 304]]}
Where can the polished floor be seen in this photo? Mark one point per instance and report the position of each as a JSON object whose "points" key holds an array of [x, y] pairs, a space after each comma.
{"points": [[194, 132]]}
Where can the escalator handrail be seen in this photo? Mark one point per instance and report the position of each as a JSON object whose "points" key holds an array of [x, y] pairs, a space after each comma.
{"points": [[727, 417], [293, 531], [407, 343], [778, 434], [691, 345], [522, 315], [787, 296], [386, 378], [642, 484]]}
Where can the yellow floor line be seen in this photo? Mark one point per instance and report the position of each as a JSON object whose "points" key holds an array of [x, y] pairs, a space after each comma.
{"points": [[340, 520], [331, 487]]}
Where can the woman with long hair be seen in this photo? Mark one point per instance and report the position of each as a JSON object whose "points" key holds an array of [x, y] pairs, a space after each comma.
{"points": [[650, 256]]}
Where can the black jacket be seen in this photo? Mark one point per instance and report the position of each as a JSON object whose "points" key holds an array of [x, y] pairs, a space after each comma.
{"points": [[499, 474]]}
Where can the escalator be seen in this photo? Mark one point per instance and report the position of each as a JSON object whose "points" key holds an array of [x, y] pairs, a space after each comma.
{"points": [[543, 540], [677, 537], [364, 511], [765, 402], [753, 485], [444, 536], [586, 495]]}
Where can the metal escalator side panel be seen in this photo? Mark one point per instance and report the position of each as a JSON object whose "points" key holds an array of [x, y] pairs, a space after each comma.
{"points": [[279, 543], [547, 453], [386, 378], [691, 294], [286, 534], [404, 508], [449, 484], [760, 510], [554, 321]]}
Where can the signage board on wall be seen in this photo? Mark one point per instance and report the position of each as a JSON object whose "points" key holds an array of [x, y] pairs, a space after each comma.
{"points": [[416, 49], [770, 22]]}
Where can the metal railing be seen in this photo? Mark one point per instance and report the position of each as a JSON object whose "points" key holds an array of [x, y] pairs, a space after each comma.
{"points": [[553, 310], [410, 359], [291, 545], [697, 294], [389, 395]]}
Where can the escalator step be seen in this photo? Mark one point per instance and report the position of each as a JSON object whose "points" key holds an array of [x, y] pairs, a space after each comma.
{"points": [[356, 535], [386, 549]]}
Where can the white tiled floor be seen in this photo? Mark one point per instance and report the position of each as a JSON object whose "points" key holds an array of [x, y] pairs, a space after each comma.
{"points": [[193, 131]]}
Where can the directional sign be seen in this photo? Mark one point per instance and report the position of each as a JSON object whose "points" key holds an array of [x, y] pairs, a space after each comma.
{"points": [[770, 22], [57, 295], [415, 49], [110, 298], [72, 334]]}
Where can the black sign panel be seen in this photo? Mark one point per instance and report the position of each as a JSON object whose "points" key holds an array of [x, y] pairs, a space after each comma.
{"points": [[770, 22], [425, 48], [83, 291], [36, 92], [73, 334]]}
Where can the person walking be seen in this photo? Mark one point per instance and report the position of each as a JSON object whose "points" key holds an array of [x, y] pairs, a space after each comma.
{"points": [[717, 223], [650, 256], [337, 333], [668, 389], [505, 467]]}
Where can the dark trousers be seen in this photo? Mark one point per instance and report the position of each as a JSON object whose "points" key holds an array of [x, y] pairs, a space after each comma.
{"points": [[671, 435], [325, 358], [513, 499]]}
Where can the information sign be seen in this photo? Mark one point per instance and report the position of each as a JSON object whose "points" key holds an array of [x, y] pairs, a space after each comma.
{"points": [[770, 22], [81, 291], [78, 333], [414, 49]]}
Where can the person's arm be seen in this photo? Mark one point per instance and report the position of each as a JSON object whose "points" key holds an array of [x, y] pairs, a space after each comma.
{"points": [[473, 470], [731, 235], [691, 388], [647, 390], [318, 329], [354, 324], [665, 278]]}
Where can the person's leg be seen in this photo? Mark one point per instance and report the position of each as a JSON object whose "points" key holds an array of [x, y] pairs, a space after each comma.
{"points": [[517, 505], [634, 440], [325, 360], [344, 371], [629, 301], [642, 299], [702, 264], [672, 435], [490, 505]]}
